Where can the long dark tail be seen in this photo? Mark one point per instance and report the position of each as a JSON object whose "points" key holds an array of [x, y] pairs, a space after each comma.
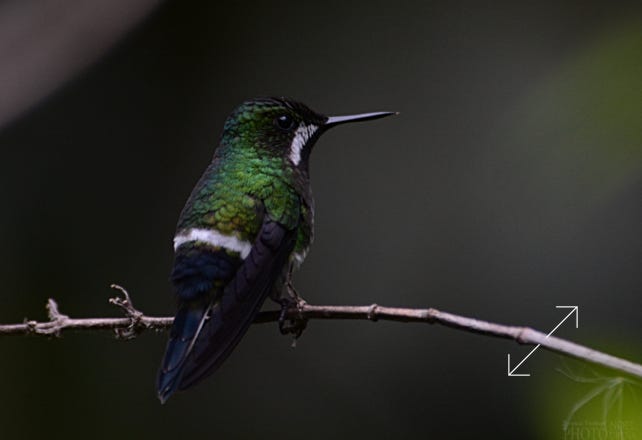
{"points": [[187, 325], [205, 332]]}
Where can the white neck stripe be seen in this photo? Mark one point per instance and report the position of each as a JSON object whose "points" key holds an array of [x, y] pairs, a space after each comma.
{"points": [[301, 137], [214, 238]]}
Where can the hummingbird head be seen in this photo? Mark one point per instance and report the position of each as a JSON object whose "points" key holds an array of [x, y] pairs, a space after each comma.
{"points": [[284, 128]]}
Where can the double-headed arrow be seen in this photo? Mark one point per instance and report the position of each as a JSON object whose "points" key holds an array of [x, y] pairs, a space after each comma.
{"points": [[575, 310]]}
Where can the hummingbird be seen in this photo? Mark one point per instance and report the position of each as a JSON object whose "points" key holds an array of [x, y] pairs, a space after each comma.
{"points": [[247, 225]]}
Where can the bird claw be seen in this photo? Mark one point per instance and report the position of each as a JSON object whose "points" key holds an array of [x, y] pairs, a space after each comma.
{"points": [[291, 319]]}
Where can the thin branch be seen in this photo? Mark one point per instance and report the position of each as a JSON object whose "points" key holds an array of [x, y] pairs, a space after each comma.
{"points": [[135, 322]]}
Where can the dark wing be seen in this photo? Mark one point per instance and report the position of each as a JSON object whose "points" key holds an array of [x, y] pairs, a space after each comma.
{"points": [[242, 298], [217, 326], [196, 270]]}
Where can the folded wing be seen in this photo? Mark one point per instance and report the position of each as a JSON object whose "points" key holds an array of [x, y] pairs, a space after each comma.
{"points": [[207, 327]]}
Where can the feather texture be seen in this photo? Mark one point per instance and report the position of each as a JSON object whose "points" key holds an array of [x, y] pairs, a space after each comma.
{"points": [[206, 329]]}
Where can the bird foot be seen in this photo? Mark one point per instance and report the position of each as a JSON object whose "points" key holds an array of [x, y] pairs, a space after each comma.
{"points": [[292, 320]]}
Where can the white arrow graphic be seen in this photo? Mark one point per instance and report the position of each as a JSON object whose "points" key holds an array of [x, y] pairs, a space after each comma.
{"points": [[575, 310]]}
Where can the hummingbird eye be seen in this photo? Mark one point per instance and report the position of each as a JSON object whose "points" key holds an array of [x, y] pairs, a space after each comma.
{"points": [[284, 122]]}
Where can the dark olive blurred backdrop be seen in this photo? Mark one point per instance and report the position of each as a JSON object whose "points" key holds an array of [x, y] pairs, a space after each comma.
{"points": [[510, 183]]}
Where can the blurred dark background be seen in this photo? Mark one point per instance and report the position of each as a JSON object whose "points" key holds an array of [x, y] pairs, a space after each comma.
{"points": [[510, 183]]}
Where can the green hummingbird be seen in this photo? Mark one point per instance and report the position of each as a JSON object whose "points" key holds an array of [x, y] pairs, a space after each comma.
{"points": [[246, 226]]}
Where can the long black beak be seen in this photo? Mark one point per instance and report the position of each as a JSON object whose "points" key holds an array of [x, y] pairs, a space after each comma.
{"points": [[336, 120]]}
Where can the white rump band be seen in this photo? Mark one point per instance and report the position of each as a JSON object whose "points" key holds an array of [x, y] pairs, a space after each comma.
{"points": [[215, 238]]}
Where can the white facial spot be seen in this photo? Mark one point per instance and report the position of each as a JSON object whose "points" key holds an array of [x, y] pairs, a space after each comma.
{"points": [[214, 238], [301, 137]]}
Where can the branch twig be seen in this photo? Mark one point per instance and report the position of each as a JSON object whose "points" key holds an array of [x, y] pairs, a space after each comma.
{"points": [[136, 322]]}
